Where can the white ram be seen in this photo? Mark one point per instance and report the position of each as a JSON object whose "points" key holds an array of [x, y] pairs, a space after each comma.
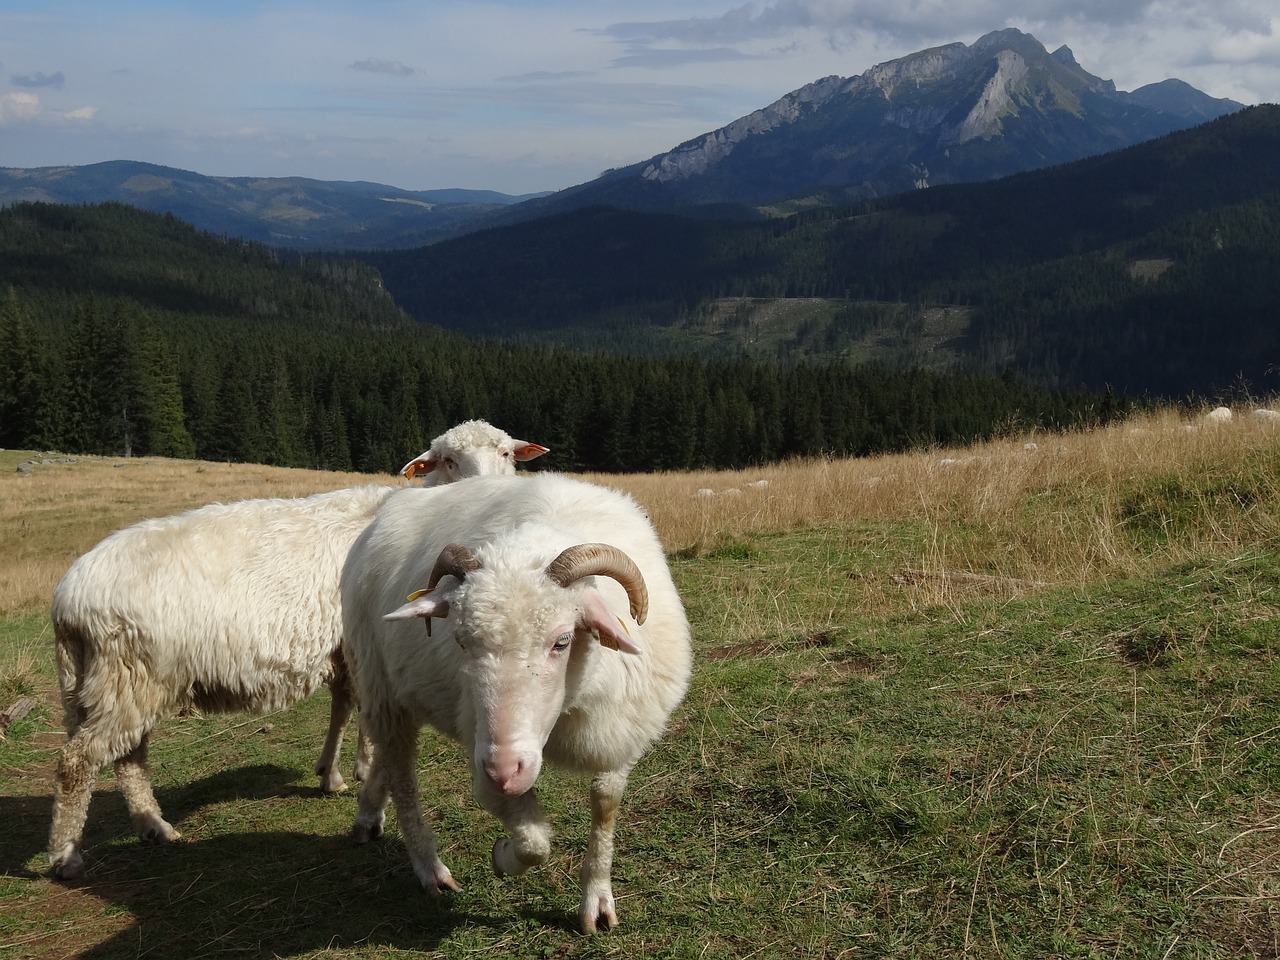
{"points": [[563, 637], [227, 607]]}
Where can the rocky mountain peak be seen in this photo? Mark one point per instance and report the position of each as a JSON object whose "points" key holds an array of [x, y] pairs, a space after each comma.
{"points": [[696, 156], [910, 86], [947, 114], [1064, 56], [925, 66], [995, 101]]}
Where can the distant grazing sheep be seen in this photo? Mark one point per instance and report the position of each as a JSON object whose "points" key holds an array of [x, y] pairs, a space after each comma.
{"points": [[227, 607], [1218, 415], [558, 634]]}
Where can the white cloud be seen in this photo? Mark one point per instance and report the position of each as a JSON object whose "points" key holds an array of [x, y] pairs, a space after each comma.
{"points": [[28, 108], [19, 107], [1248, 45]]}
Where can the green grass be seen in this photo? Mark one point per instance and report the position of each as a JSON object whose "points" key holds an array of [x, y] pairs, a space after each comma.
{"points": [[1085, 771]]}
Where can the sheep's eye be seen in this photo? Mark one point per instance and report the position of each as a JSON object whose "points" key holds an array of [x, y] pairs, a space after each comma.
{"points": [[562, 642], [450, 463]]}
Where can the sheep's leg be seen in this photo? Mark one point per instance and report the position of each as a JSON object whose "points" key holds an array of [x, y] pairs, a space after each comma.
{"points": [[372, 806], [398, 758], [598, 908], [364, 753], [529, 844], [340, 707], [371, 815], [135, 783], [82, 756]]}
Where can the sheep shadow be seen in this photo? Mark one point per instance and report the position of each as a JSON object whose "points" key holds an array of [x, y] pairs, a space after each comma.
{"points": [[268, 893], [265, 894], [27, 817], [24, 831]]}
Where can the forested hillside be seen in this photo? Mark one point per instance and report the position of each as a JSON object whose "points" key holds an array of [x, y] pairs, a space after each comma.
{"points": [[1145, 269], [126, 332], [294, 212]]}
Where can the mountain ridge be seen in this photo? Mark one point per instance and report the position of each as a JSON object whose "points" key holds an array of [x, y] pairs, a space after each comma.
{"points": [[947, 114], [284, 211]]}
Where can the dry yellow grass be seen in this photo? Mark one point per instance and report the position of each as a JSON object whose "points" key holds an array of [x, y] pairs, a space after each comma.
{"points": [[1034, 509]]}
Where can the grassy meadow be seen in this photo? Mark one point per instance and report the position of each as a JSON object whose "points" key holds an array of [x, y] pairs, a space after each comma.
{"points": [[1017, 700]]}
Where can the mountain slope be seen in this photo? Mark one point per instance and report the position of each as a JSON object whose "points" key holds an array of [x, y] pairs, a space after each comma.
{"points": [[291, 212], [1037, 261], [949, 114]]}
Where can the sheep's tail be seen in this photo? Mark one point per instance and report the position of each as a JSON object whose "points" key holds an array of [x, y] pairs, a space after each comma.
{"points": [[70, 648]]}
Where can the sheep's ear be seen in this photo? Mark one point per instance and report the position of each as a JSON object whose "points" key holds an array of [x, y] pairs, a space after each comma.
{"points": [[423, 464], [527, 451], [427, 605], [608, 626]]}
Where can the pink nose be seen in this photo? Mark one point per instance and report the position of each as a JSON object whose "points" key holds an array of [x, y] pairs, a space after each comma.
{"points": [[507, 774]]}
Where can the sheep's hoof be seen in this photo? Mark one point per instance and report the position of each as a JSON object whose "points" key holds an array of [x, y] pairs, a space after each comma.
{"points": [[504, 859], [598, 916], [437, 879], [330, 780], [153, 829], [363, 831], [330, 785], [67, 865]]}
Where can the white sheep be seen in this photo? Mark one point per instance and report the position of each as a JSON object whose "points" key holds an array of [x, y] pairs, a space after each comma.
{"points": [[467, 450], [227, 607], [562, 637]]}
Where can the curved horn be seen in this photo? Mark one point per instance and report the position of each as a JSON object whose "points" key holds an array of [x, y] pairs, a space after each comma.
{"points": [[454, 560], [601, 559]]}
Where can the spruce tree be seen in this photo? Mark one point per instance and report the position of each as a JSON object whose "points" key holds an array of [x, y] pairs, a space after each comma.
{"points": [[24, 398]]}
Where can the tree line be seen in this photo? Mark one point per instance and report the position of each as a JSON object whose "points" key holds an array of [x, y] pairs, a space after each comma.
{"points": [[110, 380], [126, 333]]}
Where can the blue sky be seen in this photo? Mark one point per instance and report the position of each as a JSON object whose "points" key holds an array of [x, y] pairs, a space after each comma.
{"points": [[524, 95]]}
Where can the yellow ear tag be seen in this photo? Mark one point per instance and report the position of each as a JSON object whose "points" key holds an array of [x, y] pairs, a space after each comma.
{"points": [[416, 594], [621, 624]]}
